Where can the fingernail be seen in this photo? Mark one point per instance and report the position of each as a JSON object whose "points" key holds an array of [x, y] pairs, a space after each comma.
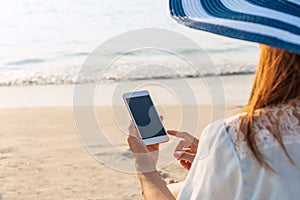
{"points": [[176, 155]]}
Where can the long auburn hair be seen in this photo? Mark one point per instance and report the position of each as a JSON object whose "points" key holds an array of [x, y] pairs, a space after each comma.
{"points": [[277, 80]]}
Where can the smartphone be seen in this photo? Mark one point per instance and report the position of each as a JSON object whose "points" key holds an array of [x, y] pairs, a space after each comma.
{"points": [[145, 117]]}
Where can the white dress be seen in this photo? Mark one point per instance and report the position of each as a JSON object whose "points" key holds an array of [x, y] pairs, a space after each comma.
{"points": [[225, 169]]}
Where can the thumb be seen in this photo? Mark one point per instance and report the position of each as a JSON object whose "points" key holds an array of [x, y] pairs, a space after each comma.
{"points": [[183, 155], [136, 145]]}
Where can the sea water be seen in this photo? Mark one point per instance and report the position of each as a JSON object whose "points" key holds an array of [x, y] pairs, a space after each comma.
{"points": [[47, 42]]}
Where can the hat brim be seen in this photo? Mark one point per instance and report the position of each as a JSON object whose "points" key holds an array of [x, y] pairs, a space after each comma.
{"points": [[272, 22]]}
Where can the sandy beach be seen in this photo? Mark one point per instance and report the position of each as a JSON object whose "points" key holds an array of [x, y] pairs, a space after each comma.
{"points": [[42, 156]]}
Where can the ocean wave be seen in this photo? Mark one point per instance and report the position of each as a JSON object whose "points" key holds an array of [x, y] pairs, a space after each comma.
{"points": [[26, 62], [34, 61], [70, 76]]}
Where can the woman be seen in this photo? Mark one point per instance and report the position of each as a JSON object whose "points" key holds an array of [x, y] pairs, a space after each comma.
{"points": [[254, 154]]}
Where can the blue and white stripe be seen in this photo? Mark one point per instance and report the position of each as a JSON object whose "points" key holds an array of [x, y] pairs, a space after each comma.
{"points": [[272, 22]]}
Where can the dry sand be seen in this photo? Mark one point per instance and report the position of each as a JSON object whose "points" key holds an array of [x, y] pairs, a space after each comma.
{"points": [[42, 157]]}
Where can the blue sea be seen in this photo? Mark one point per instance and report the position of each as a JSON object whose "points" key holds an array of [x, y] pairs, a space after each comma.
{"points": [[47, 42]]}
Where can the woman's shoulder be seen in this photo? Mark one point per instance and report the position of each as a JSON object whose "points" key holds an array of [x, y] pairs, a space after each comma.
{"points": [[280, 116], [283, 118]]}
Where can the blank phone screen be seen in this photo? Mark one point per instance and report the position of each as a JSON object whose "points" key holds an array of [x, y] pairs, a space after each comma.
{"points": [[145, 117]]}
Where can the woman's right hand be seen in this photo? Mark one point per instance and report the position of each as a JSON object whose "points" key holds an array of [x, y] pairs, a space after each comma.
{"points": [[186, 149]]}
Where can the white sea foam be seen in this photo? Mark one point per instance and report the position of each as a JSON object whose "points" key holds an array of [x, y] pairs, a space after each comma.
{"points": [[69, 75]]}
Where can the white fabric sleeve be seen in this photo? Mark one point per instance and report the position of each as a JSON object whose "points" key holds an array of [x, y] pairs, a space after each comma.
{"points": [[216, 171]]}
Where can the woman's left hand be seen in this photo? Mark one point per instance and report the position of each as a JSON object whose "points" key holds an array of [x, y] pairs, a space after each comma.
{"points": [[145, 156], [154, 187]]}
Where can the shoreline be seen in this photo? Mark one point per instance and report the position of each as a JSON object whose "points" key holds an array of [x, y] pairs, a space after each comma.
{"points": [[164, 91]]}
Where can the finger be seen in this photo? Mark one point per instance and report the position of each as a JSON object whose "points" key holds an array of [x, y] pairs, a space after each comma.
{"points": [[131, 125], [182, 155], [179, 134], [161, 118], [185, 164], [192, 141], [187, 150], [182, 146], [153, 147], [136, 144], [132, 129], [172, 132]]}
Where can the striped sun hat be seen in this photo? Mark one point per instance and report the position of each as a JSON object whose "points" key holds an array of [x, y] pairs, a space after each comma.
{"points": [[272, 22]]}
